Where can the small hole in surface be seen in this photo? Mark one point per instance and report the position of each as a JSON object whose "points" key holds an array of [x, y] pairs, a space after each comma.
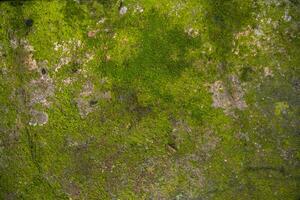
{"points": [[29, 22], [43, 71], [93, 102]]}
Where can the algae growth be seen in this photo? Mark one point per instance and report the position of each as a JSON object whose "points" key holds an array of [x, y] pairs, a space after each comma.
{"points": [[149, 99]]}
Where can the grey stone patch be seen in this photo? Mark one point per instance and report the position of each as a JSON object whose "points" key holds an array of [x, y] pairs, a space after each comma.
{"points": [[228, 100], [258, 31], [180, 125], [88, 98], [286, 16], [84, 107], [105, 95], [237, 94], [40, 90], [26, 46], [29, 61], [192, 32], [72, 189], [87, 89], [14, 43], [71, 51], [268, 72], [123, 10], [84, 99], [221, 97], [38, 118], [242, 136]]}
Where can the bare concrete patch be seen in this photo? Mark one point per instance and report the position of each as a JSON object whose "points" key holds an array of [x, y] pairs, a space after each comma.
{"points": [[72, 51], [105, 95], [73, 190], [87, 89], [89, 97], [228, 99], [38, 118], [237, 94], [40, 90], [29, 61], [221, 97], [84, 107]]}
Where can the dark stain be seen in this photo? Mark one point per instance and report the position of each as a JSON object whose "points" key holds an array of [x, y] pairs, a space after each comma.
{"points": [[246, 73], [29, 22], [43, 71], [93, 102]]}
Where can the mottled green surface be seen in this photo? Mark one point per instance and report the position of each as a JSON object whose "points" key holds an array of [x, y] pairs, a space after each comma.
{"points": [[131, 105]]}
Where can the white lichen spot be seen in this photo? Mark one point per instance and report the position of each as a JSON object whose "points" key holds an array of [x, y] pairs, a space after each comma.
{"points": [[26, 46], [14, 42], [67, 81], [57, 46], [63, 61], [79, 43], [258, 32], [123, 10], [101, 21], [287, 17], [138, 9], [89, 57], [268, 72], [192, 32]]}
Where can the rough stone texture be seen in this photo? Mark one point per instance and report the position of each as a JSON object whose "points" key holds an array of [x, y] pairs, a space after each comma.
{"points": [[228, 100], [41, 90], [110, 100], [38, 118]]}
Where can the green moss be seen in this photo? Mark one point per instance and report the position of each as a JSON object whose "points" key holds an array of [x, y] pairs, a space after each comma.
{"points": [[152, 131]]}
